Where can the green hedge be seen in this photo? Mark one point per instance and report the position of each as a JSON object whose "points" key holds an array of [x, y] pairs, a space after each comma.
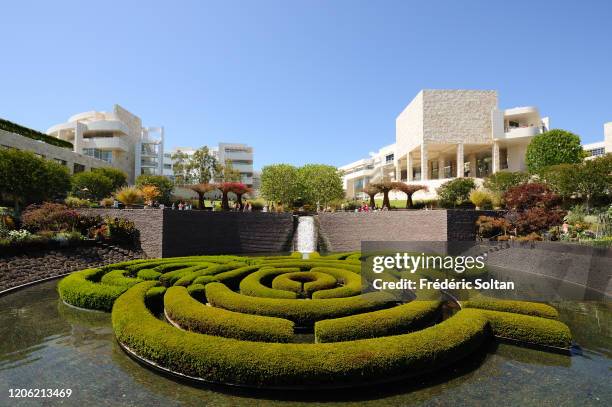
{"points": [[349, 280], [302, 312], [148, 274], [535, 309], [304, 283], [525, 328], [33, 134], [393, 321], [254, 284], [192, 315], [79, 289], [119, 278], [247, 363]]}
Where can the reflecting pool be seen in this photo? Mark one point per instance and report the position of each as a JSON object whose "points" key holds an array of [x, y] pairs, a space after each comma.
{"points": [[47, 344]]}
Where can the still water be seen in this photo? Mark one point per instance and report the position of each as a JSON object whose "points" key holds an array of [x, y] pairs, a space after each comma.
{"points": [[46, 344]]}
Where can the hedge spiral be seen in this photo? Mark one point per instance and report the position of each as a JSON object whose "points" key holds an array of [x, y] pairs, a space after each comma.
{"points": [[286, 322]]}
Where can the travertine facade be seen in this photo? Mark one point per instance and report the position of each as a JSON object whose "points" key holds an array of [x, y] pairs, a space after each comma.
{"points": [[444, 134]]}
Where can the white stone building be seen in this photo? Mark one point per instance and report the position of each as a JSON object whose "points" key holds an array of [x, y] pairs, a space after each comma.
{"points": [[443, 134], [116, 137], [600, 148]]}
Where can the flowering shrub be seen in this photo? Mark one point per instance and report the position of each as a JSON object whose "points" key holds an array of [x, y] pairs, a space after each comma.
{"points": [[489, 227], [49, 216], [19, 235], [533, 208], [121, 230]]}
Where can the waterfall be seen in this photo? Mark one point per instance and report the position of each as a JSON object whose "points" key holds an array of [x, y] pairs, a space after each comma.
{"points": [[306, 235]]}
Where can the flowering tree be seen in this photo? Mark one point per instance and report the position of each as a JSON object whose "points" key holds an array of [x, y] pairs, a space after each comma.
{"points": [[371, 191], [240, 189], [235, 187], [409, 190], [201, 189], [384, 187]]}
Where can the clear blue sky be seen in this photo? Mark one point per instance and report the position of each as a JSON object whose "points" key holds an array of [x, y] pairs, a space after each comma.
{"points": [[301, 81]]}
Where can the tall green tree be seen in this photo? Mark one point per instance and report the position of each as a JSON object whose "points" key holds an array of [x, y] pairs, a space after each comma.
{"points": [[204, 165], [320, 184], [594, 178], [162, 183], [227, 173], [280, 183], [502, 181], [117, 177], [182, 168], [552, 148], [455, 192], [26, 178], [91, 185]]}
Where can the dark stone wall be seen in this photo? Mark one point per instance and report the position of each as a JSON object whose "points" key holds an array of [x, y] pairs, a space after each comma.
{"points": [[170, 233], [199, 232], [42, 264], [344, 231], [461, 224], [149, 223], [583, 265]]}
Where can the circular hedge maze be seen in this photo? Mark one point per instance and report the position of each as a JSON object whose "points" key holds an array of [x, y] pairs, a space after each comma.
{"points": [[286, 322]]}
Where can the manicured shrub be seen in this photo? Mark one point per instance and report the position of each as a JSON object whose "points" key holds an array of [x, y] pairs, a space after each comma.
{"points": [[198, 292], [224, 360], [91, 185], [302, 312], [253, 285], [148, 274], [119, 278], [529, 329], [118, 178], [81, 290], [553, 147], [350, 283], [455, 192], [304, 283], [194, 316], [518, 307], [392, 321]]}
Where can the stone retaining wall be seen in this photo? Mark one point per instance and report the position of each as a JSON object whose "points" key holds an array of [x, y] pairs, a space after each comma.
{"points": [[344, 231], [42, 264], [583, 265], [169, 233]]}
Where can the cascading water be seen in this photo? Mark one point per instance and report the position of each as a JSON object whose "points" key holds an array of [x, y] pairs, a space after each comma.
{"points": [[306, 236]]}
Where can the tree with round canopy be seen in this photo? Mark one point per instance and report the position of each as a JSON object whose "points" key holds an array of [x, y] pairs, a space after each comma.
{"points": [[409, 190], [201, 189]]}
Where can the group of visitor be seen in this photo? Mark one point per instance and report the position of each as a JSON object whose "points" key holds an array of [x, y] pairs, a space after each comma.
{"points": [[182, 206]]}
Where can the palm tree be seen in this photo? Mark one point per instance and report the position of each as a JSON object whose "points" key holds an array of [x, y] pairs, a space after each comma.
{"points": [[409, 190]]}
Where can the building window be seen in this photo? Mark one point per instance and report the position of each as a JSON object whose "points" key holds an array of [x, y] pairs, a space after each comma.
{"points": [[78, 168], [596, 152], [99, 154], [167, 166], [60, 161], [389, 158]]}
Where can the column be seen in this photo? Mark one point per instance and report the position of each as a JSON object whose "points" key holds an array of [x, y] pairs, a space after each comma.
{"points": [[441, 163], [409, 165], [495, 157], [460, 170], [424, 163], [78, 138], [398, 169], [472, 165]]}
